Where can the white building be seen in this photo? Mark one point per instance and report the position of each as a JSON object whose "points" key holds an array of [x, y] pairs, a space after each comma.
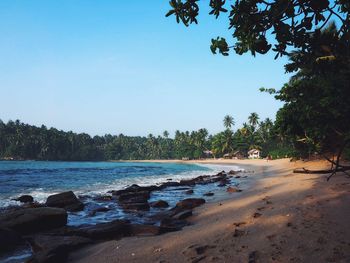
{"points": [[254, 154]]}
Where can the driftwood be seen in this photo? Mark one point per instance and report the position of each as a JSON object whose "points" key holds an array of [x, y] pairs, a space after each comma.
{"points": [[336, 166]]}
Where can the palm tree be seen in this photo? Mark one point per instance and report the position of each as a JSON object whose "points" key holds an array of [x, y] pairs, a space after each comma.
{"points": [[253, 119], [165, 134], [228, 121]]}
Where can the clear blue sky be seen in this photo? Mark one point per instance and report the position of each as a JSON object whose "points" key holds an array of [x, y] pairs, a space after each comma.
{"points": [[121, 67]]}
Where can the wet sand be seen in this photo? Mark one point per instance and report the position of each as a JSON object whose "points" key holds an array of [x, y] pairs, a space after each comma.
{"points": [[278, 217]]}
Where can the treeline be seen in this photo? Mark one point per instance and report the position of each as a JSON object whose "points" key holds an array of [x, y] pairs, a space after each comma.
{"points": [[23, 141]]}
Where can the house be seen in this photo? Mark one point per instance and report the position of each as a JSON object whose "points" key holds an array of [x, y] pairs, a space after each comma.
{"points": [[238, 155], [254, 154], [227, 156]]}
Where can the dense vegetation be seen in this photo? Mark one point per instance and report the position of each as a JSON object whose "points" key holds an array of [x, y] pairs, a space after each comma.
{"points": [[315, 35], [23, 141]]}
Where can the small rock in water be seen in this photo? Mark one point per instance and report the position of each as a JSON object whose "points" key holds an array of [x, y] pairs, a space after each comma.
{"points": [[25, 199], [189, 192], [159, 204], [208, 194]]}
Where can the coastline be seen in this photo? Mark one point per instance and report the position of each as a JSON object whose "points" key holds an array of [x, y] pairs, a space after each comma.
{"points": [[279, 217]]}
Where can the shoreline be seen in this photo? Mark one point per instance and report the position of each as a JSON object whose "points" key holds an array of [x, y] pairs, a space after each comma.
{"points": [[280, 217]]}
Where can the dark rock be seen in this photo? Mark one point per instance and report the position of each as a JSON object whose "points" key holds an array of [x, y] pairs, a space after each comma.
{"points": [[208, 194], [136, 206], [104, 231], [231, 189], [49, 248], [9, 239], [141, 196], [171, 224], [189, 192], [190, 203], [159, 204], [169, 184], [232, 172], [30, 220], [135, 188], [103, 198], [238, 233], [183, 215], [100, 209], [189, 181], [66, 200], [25, 199], [144, 230], [256, 215]]}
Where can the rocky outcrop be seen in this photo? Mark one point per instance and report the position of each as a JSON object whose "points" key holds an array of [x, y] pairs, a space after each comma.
{"points": [[9, 239], [50, 248], [31, 220], [66, 200]]}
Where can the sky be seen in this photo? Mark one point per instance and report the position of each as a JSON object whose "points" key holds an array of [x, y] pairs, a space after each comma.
{"points": [[122, 67]]}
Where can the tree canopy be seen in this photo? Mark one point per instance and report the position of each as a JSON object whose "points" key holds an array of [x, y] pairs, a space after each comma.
{"points": [[291, 23]]}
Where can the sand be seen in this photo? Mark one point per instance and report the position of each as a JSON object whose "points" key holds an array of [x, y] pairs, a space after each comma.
{"points": [[279, 217]]}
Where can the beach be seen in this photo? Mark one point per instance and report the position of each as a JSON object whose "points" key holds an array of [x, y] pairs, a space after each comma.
{"points": [[278, 217]]}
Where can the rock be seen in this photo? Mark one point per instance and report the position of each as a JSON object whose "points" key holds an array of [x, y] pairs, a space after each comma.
{"points": [[31, 220], [208, 194], [256, 215], [190, 203], [136, 206], [104, 231], [238, 233], [189, 192], [141, 196], [100, 209], [103, 198], [25, 199], [190, 182], [232, 172], [9, 239], [171, 224], [183, 215], [144, 230], [135, 188], [66, 200], [169, 184], [231, 189], [159, 204], [48, 248]]}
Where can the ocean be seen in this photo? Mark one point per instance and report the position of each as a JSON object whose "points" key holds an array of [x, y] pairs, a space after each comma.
{"points": [[90, 179]]}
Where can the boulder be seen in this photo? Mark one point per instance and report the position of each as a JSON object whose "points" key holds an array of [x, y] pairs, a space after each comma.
{"points": [[159, 204], [208, 194], [66, 200], [31, 220], [25, 199], [104, 231], [190, 203], [9, 239], [141, 196], [48, 248], [183, 215]]}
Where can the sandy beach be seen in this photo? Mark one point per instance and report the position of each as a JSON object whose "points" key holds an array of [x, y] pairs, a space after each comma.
{"points": [[280, 217]]}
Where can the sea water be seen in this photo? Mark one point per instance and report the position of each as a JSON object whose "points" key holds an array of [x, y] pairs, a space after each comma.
{"points": [[90, 179]]}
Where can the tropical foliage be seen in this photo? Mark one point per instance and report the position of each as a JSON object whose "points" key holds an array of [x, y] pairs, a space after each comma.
{"points": [[23, 141]]}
